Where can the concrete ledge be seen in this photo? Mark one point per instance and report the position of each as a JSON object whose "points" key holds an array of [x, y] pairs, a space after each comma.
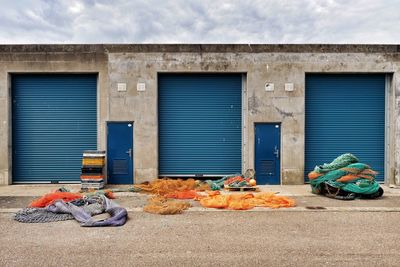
{"points": [[200, 48]]}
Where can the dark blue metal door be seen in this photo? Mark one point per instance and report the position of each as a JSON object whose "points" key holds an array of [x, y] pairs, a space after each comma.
{"points": [[267, 153], [120, 152], [200, 124], [54, 119], [345, 113]]}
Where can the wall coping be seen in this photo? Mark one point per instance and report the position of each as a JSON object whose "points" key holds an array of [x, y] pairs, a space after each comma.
{"points": [[200, 48]]}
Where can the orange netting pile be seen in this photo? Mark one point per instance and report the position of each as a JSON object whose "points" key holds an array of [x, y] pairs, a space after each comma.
{"points": [[164, 187], [48, 199], [245, 201], [164, 206], [189, 194], [166, 190], [355, 174]]}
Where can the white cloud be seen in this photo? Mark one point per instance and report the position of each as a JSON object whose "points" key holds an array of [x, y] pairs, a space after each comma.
{"points": [[76, 7], [201, 21]]}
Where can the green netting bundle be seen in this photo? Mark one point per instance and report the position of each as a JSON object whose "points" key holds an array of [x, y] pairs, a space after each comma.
{"points": [[345, 175], [219, 184], [339, 162]]}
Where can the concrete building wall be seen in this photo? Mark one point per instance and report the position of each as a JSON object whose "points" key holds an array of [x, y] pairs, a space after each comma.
{"points": [[44, 62], [259, 64]]}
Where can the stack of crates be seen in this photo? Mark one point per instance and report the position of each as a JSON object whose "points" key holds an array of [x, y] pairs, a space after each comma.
{"points": [[92, 176]]}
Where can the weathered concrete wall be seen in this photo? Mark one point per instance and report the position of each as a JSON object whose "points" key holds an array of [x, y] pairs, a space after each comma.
{"points": [[40, 62], [262, 106], [395, 120], [278, 64]]}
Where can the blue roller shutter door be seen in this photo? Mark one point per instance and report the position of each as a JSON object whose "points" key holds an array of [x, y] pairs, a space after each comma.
{"points": [[345, 114], [54, 120], [200, 124]]}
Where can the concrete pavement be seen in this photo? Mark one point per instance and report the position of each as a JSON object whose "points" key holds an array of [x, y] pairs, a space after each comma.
{"points": [[41, 189], [222, 238], [14, 197], [318, 232]]}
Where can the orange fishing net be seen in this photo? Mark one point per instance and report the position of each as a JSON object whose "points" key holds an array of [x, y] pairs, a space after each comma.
{"points": [[246, 201], [271, 200], [314, 175], [187, 189], [164, 187], [164, 206], [356, 174], [170, 188], [51, 197], [190, 194]]}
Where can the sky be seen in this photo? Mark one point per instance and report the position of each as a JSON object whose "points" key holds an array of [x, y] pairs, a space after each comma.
{"points": [[200, 21]]}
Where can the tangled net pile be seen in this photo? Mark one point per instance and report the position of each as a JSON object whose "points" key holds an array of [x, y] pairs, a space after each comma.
{"points": [[345, 178], [235, 180], [162, 205], [165, 189], [61, 205], [245, 201]]}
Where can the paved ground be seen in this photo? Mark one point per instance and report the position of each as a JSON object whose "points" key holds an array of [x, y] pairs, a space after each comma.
{"points": [[344, 233], [38, 190], [136, 200], [209, 239]]}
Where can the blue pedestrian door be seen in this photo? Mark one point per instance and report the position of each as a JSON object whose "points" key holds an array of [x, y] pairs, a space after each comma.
{"points": [[267, 153], [120, 152], [345, 113]]}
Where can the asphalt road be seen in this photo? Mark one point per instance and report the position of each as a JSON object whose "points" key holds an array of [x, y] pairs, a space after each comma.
{"points": [[221, 238]]}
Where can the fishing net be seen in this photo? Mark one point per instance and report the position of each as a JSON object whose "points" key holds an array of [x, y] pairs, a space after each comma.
{"points": [[339, 162], [270, 200], [246, 201], [109, 193], [219, 184], [40, 215], [81, 210], [234, 180], [48, 199], [166, 186], [164, 206], [190, 194], [173, 187], [43, 215], [345, 178]]}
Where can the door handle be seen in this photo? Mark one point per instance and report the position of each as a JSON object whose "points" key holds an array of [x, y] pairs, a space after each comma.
{"points": [[276, 152], [129, 152]]}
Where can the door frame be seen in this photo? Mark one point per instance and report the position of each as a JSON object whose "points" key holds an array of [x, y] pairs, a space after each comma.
{"points": [[280, 144], [133, 148]]}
